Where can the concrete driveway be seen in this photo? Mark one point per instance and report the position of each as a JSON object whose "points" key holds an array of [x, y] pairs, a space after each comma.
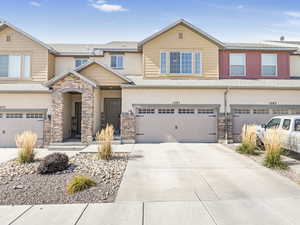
{"points": [[206, 182]]}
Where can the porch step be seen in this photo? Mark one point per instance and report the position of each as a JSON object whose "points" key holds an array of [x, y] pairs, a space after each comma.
{"points": [[66, 146]]}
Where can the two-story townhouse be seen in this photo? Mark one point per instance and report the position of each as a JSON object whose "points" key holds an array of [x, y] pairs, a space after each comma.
{"points": [[180, 84]]}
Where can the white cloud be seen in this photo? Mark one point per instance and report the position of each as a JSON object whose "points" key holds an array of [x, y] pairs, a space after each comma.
{"points": [[103, 6], [36, 4], [293, 14]]}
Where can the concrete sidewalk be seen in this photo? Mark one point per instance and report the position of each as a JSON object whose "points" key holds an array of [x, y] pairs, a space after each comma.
{"points": [[224, 212]]}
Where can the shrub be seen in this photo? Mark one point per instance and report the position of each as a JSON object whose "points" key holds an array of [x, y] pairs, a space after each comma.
{"points": [[104, 139], [249, 137], [272, 143], [79, 183], [53, 163], [26, 142]]}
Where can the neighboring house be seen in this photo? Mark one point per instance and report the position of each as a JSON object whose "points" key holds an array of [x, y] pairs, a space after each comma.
{"points": [[180, 84]]}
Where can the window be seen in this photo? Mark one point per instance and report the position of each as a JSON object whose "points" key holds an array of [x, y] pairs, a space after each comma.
{"points": [[237, 64], [116, 61], [241, 111], [260, 111], [166, 111], [14, 115], [205, 111], [269, 64], [80, 61], [286, 124], [186, 111], [146, 111], [297, 125], [273, 123], [280, 111], [180, 63], [15, 66], [34, 115]]}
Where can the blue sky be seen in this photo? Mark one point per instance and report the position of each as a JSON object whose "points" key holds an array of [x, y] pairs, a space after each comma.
{"points": [[100, 21]]}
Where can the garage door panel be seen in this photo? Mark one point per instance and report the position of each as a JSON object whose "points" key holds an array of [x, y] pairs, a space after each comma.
{"points": [[10, 126], [177, 125], [256, 115]]}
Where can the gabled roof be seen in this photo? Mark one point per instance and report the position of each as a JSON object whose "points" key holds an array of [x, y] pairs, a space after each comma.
{"points": [[4, 24], [187, 24], [57, 78], [105, 67], [258, 46]]}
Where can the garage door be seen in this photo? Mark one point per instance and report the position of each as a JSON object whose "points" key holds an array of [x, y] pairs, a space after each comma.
{"points": [[176, 124], [12, 123], [257, 115]]}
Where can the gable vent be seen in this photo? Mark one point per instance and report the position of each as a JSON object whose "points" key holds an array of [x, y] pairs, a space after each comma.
{"points": [[8, 38], [180, 35]]}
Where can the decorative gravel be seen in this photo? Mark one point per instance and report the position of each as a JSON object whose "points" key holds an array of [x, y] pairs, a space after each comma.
{"points": [[20, 184]]}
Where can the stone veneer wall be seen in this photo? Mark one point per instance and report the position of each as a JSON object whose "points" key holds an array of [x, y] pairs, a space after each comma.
{"points": [[128, 127], [72, 83], [47, 132]]}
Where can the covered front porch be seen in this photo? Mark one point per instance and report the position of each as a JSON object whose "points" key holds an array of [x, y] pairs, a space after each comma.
{"points": [[82, 106]]}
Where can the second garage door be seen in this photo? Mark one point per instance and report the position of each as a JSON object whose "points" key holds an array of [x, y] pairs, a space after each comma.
{"points": [[176, 124], [257, 114]]}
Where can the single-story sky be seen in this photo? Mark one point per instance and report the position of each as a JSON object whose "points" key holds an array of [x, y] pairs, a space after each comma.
{"points": [[101, 21]]}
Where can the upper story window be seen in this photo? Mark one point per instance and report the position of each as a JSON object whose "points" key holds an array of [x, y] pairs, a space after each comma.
{"points": [[269, 64], [116, 61], [237, 63], [180, 63], [80, 61], [15, 66]]}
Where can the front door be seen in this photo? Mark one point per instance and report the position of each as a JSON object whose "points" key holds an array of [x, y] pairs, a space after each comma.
{"points": [[112, 112], [78, 118]]}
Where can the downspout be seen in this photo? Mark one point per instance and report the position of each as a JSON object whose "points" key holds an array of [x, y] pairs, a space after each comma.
{"points": [[226, 115]]}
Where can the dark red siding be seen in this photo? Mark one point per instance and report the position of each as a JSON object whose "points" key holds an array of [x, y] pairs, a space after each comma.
{"points": [[253, 65]]}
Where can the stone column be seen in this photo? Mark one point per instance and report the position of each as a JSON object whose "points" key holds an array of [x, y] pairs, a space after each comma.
{"points": [[57, 116], [222, 123], [47, 132], [87, 116], [128, 127]]}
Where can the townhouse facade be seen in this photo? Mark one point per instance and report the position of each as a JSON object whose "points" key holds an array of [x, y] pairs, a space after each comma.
{"points": [[178, 85]]}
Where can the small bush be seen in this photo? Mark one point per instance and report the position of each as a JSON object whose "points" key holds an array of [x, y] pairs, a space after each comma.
{"points": [[79, 183], [249, 137], [104, 139], [26, 142], [272, 143], [53, 163]]}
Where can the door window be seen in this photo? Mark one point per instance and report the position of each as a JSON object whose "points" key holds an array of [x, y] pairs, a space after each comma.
{"points": [[286, 124], [273, 123], [297, 125]]}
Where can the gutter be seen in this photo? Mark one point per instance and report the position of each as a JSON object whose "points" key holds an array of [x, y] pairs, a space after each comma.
{"points": [[208, 87]]}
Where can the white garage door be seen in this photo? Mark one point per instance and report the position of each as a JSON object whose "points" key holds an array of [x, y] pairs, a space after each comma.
{"points": [[257, 115], [176, 124], [12, 123]]}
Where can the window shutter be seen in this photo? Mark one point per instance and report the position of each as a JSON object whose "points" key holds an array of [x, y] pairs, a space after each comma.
{"points": [[198, 66], [163, 62]]}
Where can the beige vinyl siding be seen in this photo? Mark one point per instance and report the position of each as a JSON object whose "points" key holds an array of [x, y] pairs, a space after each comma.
{"points": [[25, 101], [132, 63], [20, 44], [51, 66], [295, 65], [199, 96], [191, 41], [101, 76]]}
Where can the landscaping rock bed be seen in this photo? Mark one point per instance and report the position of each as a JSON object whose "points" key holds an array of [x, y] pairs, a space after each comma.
{"points": [[21, 184]]}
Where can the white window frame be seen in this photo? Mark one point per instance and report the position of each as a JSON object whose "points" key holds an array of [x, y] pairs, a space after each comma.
{"points": [[276, 65], [168, 65], [81, 59], [117, 67], [22, 75], [245, 66], [181, 63]]}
